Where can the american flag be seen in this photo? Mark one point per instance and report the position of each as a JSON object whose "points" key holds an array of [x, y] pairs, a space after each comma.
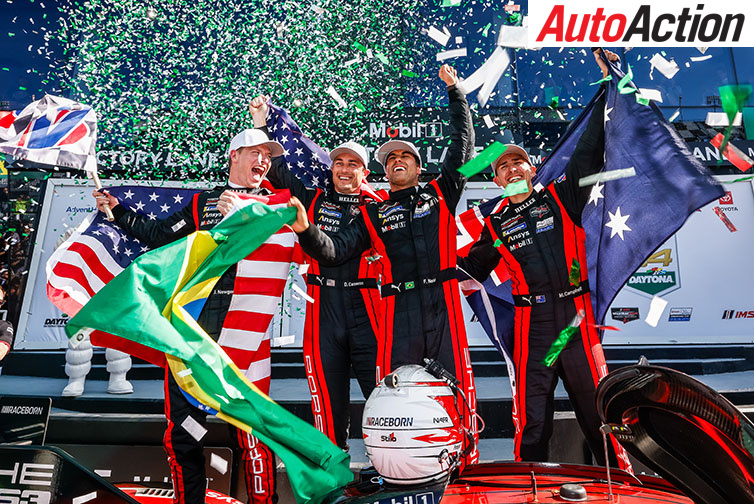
{"points": [[98, 250], [54, 131], [304, 158]]}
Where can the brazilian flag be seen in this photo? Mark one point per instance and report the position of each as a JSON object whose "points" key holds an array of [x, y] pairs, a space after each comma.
{"points": [[146, 310]]}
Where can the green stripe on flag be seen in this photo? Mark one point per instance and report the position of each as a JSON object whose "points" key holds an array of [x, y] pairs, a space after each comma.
{"points": [[157, 283]]}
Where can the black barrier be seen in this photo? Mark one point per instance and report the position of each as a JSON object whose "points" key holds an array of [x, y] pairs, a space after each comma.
{"points": [[49, 475]]}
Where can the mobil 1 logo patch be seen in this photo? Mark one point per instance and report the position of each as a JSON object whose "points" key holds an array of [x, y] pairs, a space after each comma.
{"points": [[680, 315], [659, 274], [625, 315]]}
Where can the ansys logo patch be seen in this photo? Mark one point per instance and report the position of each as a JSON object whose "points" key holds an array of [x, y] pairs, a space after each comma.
{"points": [[659, 274]]}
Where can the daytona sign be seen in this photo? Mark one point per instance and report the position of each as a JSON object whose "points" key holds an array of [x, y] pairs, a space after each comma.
{"points": [[638, 24]]}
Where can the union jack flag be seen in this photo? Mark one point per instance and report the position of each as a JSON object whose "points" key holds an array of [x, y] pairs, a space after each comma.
{"points": [[54, 131], [98, 250]]}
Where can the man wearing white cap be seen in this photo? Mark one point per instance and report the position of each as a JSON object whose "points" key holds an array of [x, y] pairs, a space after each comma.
{"points": [[340, 331], [414, 232], [239, 327], [539, 238]]}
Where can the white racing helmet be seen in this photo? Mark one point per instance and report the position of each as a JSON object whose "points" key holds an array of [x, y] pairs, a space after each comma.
{"points": [[411, 427]]}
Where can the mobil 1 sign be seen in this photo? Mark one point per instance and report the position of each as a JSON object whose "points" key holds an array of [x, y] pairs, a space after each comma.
{"points": [[703, 274]]}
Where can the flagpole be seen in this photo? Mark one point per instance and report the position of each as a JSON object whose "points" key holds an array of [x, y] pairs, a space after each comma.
{"points": [[98, 186]]}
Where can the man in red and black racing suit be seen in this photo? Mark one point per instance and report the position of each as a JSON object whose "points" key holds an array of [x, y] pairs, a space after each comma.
{"points": [[250, 158], [341, 327], [414, 233], [538, 236]]}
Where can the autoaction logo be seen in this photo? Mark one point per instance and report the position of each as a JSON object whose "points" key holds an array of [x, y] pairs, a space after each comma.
{"points": [[659, 274], [680, 314], [738, 314], [638, 23], [625, 315], [431, 129]]}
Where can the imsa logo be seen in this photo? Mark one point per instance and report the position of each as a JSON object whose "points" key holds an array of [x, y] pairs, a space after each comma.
{"points": [[736, 314]]}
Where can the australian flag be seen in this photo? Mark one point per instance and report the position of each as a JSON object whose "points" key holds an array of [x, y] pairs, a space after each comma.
{"points": [[625, 219], [54, 131]]}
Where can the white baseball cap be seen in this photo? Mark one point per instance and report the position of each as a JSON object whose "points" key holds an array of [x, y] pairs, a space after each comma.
{"points": [[357, 150], [252, 138], [511, 149], [385, 149]]}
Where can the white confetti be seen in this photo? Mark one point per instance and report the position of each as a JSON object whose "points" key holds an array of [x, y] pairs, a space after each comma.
{"points": [[438, 36], [218, 463], [85, 498], [656, 307], [651, 94], [284, 340], [184, 372], [720, 119], [666, 68], [340, 101], [105, 473], [607, 175], [303, 268], [701, 58], [675, 115], [488, 121], [516, 37], [301, 293], [194, 428], [455, 53], [487, 75]]}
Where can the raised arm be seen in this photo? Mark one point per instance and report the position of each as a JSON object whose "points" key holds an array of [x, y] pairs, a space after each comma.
{"points": [[153, 233], [589, 156], [461, 149], [333, 250], [279, 175]]}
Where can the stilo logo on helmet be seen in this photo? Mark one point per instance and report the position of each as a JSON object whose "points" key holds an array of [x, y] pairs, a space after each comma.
{"points": [[412, 427]]}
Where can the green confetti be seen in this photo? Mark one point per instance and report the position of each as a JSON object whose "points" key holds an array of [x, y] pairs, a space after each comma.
{"points": [[497, 243], [575, 275], [558, 345], [486, 29], [744, 179], [608, 78], [733, 98], [623, 84], [641, 100], [483, 159], [520, 187], [408, 73], [748, 119], [359, 106]]}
